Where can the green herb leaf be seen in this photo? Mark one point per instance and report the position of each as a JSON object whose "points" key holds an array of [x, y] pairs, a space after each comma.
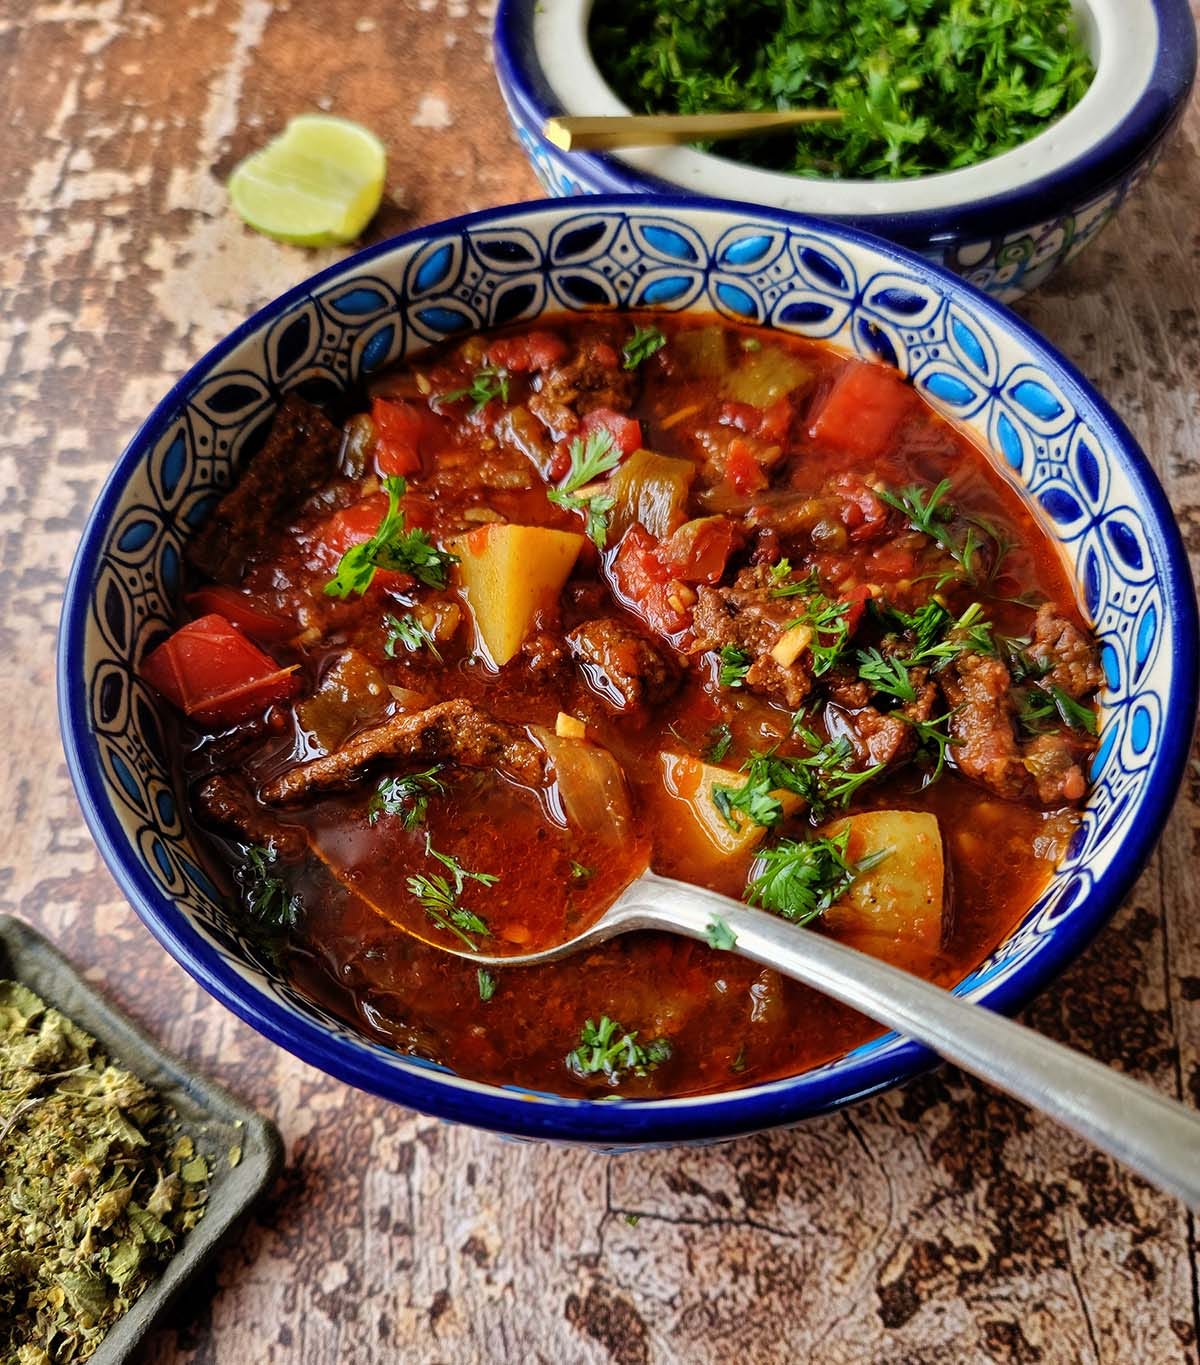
{"points": [[265, 896], [490, 381], [735, 664], [719, 934], [590, 460], [641, 346], [607, 1049], [440, 900], [391, 547], [800, 880], [406, 630], [827, 618], [406, 796], [823, 779], [720, 742], [487, 984]]}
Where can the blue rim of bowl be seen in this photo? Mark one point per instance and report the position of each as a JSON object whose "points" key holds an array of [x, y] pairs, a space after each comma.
{"points": [[524, 1113], [1158, 108]]}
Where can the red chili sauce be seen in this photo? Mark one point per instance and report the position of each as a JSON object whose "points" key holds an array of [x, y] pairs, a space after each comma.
{"points": [[763, 548]]}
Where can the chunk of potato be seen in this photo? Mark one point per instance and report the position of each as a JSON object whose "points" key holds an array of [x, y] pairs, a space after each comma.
{"points": [[900, 899], [509, 572], [690, 783]]}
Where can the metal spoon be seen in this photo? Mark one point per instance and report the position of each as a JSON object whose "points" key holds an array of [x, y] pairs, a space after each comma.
{"points": [[1158, 1137], [606, 132]]}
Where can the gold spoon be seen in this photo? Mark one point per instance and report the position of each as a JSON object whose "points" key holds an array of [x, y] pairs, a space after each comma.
{"points": [[593, 133]]}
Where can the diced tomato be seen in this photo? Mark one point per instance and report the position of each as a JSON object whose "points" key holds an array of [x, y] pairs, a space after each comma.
{"points": [[741, 468], [214, 675], [862, 410], [857, 599], [646, 585], [864, 513], [625, 431], [243, 610], [533, 351], [697, 551], [352, 526], [775, 421], [405, 432], [771, 423]]}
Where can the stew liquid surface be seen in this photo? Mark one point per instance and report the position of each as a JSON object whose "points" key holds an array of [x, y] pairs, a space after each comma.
{"points": [[783, 594]]}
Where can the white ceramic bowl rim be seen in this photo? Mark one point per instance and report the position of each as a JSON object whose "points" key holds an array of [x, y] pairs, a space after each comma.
{"points": [[1145, 59]]}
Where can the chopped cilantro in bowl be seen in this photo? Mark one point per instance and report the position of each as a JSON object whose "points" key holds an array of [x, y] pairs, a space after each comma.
{"points": [[924, 85]]}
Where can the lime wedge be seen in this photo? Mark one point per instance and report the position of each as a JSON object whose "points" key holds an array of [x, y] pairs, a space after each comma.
{"points": [[318, 183]]}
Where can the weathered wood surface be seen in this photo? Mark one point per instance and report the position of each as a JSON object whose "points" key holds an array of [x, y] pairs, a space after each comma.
{"points": [[938, 1223]]}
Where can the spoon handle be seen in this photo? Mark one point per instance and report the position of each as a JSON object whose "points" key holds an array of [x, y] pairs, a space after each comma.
{"points": [[1156, 1136], [607, 132]]}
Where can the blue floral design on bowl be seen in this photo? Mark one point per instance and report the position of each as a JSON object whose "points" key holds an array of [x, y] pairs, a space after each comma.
{"points": [[1050, 435], [1005, 226]]}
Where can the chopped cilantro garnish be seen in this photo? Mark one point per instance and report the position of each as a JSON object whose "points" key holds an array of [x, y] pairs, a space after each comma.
{"points": [[823, 779], [930, 513], [735, 664], [719, 934], [440, 900], [607, 1049], [487, 984], [801, 879], [406, 630], [923, 85], [1043, 706], [720, 741], [590, 459], [406, 796], [826, 617], [266, 896], [490, 381], [391, 547], [580, 873], [641, 346]]}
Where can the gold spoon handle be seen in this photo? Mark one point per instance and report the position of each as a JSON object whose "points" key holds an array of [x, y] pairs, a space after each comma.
{"points": [[593, 133]]}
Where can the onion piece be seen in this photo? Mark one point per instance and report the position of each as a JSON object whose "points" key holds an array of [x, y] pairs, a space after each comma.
{"points": [[590, 785]]}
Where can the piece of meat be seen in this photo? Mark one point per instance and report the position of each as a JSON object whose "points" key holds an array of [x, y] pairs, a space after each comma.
{"points": [[847, 689], [450, 732], [984, 738], [227, 803], [621, 664], [1070, 658], [299, 455], [1054, 764], [746, 617], [592, 378], [889, 738]]}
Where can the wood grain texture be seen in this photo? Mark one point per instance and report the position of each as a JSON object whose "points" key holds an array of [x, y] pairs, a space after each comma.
{"points": [[937, 1223]]}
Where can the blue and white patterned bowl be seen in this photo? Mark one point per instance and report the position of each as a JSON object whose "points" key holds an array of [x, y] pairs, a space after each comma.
{"points": [[1052, 437], [1006, 225]]}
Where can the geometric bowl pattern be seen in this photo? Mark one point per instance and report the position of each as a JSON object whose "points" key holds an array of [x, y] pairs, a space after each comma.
{"points": [[1048, 432]]}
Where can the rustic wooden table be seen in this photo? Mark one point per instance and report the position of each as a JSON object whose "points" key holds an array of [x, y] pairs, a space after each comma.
{"points": [[937, 1223]]}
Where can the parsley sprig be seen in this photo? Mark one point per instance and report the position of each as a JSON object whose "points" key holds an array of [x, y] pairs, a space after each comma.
{"points": [[825, 616], [641, 346], [266, 896], [591, 458], [406, 630], [608, 1049], [930, 513], [391, 547], [734, 665], [1044, 707], [440, 900], [923, 85], [801, 879], [823, 779], [490, 381], [406, 796]]}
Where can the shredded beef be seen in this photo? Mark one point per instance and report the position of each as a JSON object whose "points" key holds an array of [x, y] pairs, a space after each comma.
{"points": [[228, 804], [747, 617], [985, 745], [450, 732], [1061, 647], [299, 455], [592, 378], [621, 664]]}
